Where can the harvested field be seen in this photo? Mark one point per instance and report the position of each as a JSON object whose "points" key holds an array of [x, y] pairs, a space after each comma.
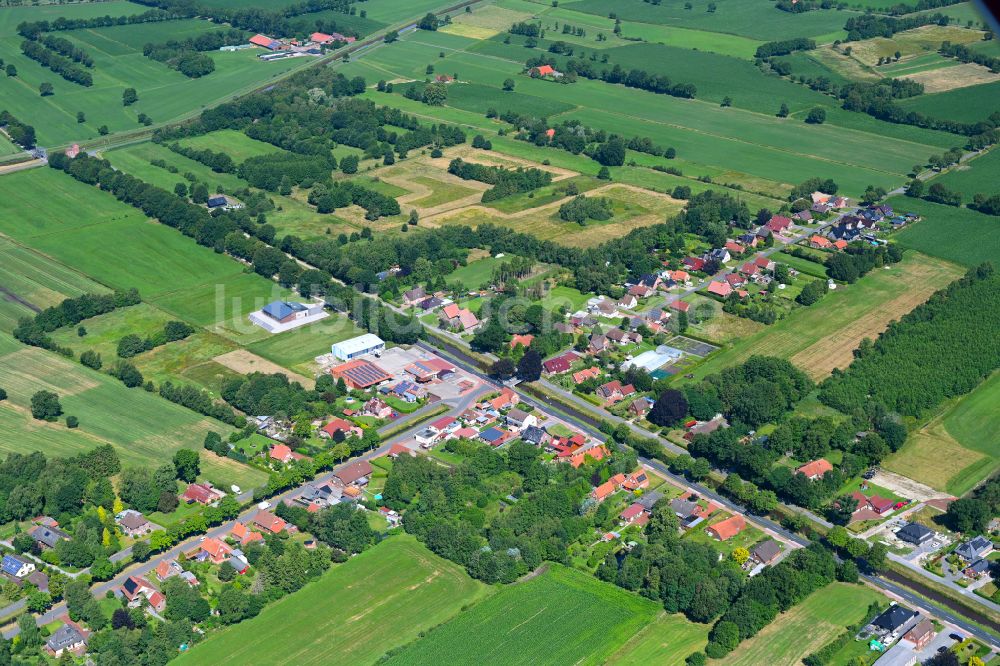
{"points": [[836, 349], [949, 78], [926, 39], [822, 337], [244, 362], [484, 22]]}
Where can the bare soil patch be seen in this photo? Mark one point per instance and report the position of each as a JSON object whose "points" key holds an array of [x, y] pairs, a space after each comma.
{"points": [[950, 78], [244, 362]]}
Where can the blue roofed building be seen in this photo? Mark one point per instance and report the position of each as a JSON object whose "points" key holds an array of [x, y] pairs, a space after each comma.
{"points": [[279, 316]]}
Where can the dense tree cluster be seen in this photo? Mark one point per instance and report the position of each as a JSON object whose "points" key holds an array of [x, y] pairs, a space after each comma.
{"points": [[33, 29], [580, 209], [988, 205], [329, 197], [526, 29], [973, 514], [867, 26], [505, 182], [254, 19], [955, 328], [963, 53], [64, 67], [131, 344], [268, 171], [186, 55], [201, 401], [816, 184], [784, 47], [19, 132], [856, 260], [633, 78]]}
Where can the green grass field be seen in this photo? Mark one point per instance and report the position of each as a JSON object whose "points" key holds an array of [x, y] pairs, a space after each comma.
{"points": [[806, 627], [88, 229], [144, 428], [960, 235], [667, 640], [296, 349], [562, 616], [29, 277], [822, 337], [757, 19], [236, 144], [346, 615], [978, 176], [957, 448], [969, 105], [164, 94], [475, 274]]}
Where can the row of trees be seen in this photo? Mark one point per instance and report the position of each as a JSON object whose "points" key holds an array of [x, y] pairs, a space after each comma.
{"points": [[963, 53], [64, 67], [19, 132], [131, 344], [867, 26], [217, 161], [67, 48], [784, 47], [633, 78]]}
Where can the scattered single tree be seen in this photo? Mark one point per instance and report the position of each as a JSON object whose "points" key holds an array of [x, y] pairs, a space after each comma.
{"points": [[45, 406]]}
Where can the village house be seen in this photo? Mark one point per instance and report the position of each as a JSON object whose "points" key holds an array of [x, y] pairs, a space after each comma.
{"points": [[47, 537], [560, 364], [915, 533], [584, 375], [519, 419], [640, 291], [920, 635], [70, 637], [820, 243], [544, 70], [803, 216], [521, 339], [243, 535], [735, 280], [136, 588], [354, 474], [596, 453], [766, 552], [283, 454], [815, 469], [268, 522], [704, 427], [722, 289], [604, 307], [376, 408], [694, 263], [637, 480], [459, 318], [728, 528], [398, 449], [608, 488], [214, 550], [720, 255], [414, 296], [340, 428], [680, 306], [778, 224], [16, 568], [734, 248], [133, 523], [535, 435], [496, 436], [639, 407], [635, 514], [507, 398], [621, 337], [975, 548], [613, 392], [598, 343], [202, 493], [891, 623], [871, 507]]}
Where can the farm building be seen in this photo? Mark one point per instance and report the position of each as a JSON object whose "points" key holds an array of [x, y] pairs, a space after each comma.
{"points": [[360, 374], [359, 346], [265, 42], [281, 316], [654, 358]]}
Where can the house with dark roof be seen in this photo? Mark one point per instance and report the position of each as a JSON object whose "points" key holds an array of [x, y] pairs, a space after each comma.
{"points": [[47, 537], [892, 621], [15, 567], [977, 568], [360, 374], [134, 523], [70, 637], [560, 364], [975, 548], [535, 435], [915, 533], [357, 473], [766, 551]]}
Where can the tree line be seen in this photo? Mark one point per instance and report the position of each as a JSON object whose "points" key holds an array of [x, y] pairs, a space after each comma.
{"points": [[942, 349], [633, 78], [67, 48], [33, 29], [64, 67], [963, 53], [71, 311], [19, 132], [784, 47], [867, 26]]}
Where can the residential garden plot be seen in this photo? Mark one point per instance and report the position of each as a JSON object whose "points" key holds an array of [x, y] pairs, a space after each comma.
{"points": [[667, 640], [957, 448], [538, 622], [236, 144], [297, 348], [970, 105], [142, 427], [960, 235], [979, 175], [822, 337], [344, 615], [164, 94], [30, 281], [806, 627], [757, 19]]}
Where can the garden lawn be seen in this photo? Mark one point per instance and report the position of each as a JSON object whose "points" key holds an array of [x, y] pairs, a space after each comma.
{"points": [[806, 627], [30, 281], [562, 616], [666, 640], [823, 336], [957, 448], [344, 616], [960, 235], [144, 428]]}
